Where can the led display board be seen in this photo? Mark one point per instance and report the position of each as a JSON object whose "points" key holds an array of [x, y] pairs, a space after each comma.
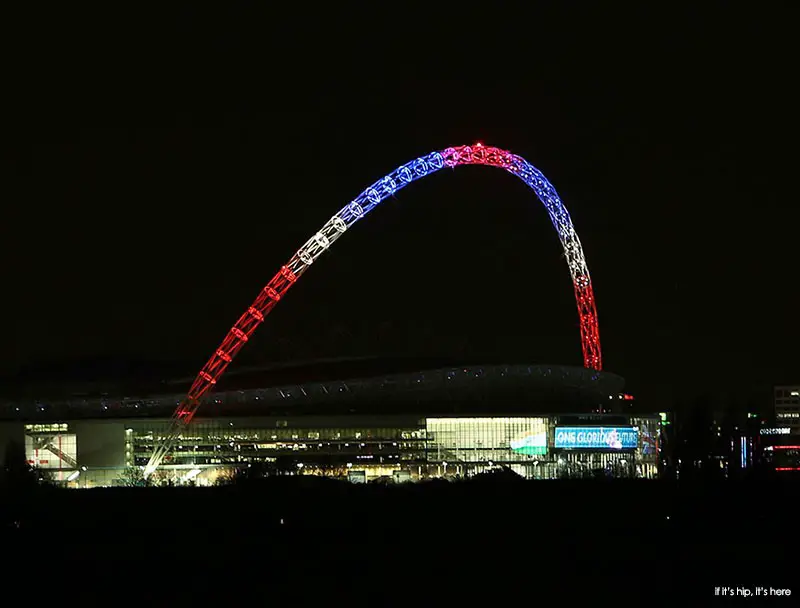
{"points": [[596, 437], [531, 444]]}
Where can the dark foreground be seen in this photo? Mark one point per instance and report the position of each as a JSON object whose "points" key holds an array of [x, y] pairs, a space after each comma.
{"points": [[543, 543]]}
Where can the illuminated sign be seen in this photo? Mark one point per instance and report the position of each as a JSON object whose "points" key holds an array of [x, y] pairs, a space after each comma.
{"points": [[782, 430], [597, 437], [535, 443]]}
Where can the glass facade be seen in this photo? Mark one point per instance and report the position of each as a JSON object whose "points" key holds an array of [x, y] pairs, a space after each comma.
{"points": [[49, 446], [465, 446], [326, 447], [356, 447], [486, 439], [404, 448]]}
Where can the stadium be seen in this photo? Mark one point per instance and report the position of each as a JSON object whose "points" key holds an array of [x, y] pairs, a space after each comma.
{"points": [[366, 419], [360, 419]]}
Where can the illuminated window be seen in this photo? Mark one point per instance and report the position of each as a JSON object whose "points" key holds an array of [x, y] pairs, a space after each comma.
{"points": [[51, 451], [485, 439]]}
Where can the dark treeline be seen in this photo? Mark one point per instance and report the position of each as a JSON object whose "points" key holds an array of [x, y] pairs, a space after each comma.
{"points": [[626, 534]]}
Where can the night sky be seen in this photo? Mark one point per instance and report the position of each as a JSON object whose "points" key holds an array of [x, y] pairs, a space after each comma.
{"points": [[159, 181]]}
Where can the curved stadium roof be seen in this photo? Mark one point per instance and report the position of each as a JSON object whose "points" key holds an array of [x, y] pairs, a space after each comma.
{"points": [[365, 385]]}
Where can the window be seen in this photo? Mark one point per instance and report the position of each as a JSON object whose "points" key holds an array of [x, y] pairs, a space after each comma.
{"points": [[485, 439]]}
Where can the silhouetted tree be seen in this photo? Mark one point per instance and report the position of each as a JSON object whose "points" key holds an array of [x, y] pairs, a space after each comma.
{"points": [[160, 478], [17, 473], [329, 469], [132, 477], [282, 465], [255, 471], [226, 478], [697, 439], [502, 474]]}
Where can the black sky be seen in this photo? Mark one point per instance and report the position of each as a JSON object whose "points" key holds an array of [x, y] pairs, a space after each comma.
{"points": [[163, 169]]}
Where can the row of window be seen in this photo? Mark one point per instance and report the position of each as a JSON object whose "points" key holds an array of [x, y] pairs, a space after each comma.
{"points": [[212, 433], [46, 428], [265, 447]]}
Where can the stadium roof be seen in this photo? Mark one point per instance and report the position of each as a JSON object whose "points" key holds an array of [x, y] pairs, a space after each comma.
{"points": [[127, 377]]}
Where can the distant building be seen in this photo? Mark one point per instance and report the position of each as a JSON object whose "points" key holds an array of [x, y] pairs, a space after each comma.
{"points": [[779, 443], [787, 407]]}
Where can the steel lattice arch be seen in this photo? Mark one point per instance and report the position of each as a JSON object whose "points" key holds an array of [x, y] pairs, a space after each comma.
{"points": [[344, 219]]}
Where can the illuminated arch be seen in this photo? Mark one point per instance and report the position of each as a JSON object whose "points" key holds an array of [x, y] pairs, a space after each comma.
{"points": [[357, 209]]}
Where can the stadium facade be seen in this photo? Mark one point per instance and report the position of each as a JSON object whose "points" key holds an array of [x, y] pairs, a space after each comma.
{"points": [[360, 419]]}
